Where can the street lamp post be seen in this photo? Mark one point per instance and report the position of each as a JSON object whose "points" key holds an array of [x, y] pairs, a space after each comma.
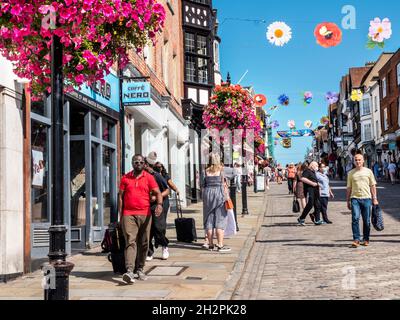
{"points": [[59, 288]]}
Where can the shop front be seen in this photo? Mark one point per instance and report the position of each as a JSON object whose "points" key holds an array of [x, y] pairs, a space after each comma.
{"points": [[90, 167]]}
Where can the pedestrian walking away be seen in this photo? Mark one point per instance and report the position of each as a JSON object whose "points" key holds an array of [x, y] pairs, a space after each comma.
{"points": [[361, 194], [215, 193], [159, 223], [325, 191], [311, 189], [136, 188]]}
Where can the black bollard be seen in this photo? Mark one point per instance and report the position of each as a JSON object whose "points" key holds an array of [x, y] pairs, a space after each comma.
{"points": [[245, 210], [232, 193]]}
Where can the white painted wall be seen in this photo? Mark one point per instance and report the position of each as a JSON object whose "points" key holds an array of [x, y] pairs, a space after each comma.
{"points": [[11, 175]]}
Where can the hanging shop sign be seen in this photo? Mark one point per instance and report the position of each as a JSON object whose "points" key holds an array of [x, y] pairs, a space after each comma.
{"points": [[296, 133], [136, 93], [101, 96], [37, 168]]}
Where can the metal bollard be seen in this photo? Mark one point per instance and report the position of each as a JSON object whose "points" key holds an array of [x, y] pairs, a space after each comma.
{"points": [[232, 193]]}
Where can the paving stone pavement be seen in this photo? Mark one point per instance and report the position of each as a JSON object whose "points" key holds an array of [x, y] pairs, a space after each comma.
{"points": [[206, 275], [290, 262]]}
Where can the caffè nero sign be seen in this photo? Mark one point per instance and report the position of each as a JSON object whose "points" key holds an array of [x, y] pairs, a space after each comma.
{"points": [[136, 93]]}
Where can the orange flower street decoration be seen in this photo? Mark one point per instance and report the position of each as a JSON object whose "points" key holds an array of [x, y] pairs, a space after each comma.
{"points": [[328, 34], [260, 100]]}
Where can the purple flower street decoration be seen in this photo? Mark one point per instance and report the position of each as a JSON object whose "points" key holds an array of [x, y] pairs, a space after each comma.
{"points": [[274, 124], [283, 100], [332, 97], [308, 97]]}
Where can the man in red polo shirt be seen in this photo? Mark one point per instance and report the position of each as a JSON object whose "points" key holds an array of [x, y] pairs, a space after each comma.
{"points": [[136, 189]]}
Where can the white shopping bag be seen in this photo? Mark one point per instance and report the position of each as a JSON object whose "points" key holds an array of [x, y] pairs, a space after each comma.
{"points": [[231, 225]]}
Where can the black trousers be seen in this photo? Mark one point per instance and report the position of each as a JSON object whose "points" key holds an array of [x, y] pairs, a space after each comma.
{"points": [[324, 207], [290, 184], [158, 231], [313, 202]]}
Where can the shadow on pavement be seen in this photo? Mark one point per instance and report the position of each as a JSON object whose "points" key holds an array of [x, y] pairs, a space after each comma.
{"points": [[281, 241], [280, 225], [319, 245], [100, 275]]}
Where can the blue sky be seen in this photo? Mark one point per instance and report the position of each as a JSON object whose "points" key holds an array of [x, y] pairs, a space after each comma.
{"points": [[301, 65]]}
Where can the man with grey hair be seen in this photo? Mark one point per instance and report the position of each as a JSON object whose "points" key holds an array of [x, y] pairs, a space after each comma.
{"points": [[311, 188]]}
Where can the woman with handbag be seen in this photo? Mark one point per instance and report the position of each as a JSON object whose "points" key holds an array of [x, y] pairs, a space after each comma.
{"points": [[299, 186], [215, 196]]}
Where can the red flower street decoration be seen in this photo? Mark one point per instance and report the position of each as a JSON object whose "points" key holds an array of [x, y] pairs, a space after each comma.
{"points": [[94, 34], [328, 34], [231, 107]]}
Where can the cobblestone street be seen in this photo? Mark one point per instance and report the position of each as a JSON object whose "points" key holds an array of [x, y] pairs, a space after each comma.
{"points": [[316, 262]]}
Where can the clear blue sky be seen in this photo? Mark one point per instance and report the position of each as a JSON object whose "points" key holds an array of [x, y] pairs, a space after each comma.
{"points": [[301, 65]]}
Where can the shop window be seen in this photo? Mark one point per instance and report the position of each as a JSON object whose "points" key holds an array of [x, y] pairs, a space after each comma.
{"points": [[93, 126], [77, 121], [39, 108], [40, 173], [107, 131], [95, 189], [78, 183], [107, 182]]}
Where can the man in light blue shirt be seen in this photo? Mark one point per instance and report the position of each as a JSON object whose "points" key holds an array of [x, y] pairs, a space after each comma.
{"points": [[324, 190]]}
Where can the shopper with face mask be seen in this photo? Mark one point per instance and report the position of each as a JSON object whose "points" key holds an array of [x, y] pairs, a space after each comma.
{"points": [[325, 191]]}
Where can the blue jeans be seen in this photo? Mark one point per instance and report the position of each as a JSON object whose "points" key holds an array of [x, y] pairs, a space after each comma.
{"points": [[361, 207]]}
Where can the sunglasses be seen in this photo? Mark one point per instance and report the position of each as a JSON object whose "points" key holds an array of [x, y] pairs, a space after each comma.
{"points": [[138, 162]]}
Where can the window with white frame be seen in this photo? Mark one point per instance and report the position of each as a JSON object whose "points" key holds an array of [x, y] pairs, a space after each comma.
{"points": [[384, 92], [398, 74], [398, 111], [385, 119], [367, 131], [366, 109]]}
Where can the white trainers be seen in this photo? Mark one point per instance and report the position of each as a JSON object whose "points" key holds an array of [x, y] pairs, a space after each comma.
{"points": [[149, 258], [165, 253]]}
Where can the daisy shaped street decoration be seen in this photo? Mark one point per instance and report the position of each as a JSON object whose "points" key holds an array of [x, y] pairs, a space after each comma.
{"points": [[283, 100], [356, 95], [328, 34], [308, 97], [279, 33], [308, 124], [332, 97], [260, 100], [379, 31], [291, 124]]}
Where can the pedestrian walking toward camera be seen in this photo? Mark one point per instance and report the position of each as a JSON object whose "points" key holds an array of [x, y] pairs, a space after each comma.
{"points": [[215, 193], [136, 188], [311, 189], [325, 191], [159, 223], [392, 172], [361, 195], [291, 175], [299, 185]]}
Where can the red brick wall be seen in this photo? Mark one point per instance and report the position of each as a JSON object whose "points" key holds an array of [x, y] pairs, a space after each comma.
{"points": [[173, 35], [393, 93]]}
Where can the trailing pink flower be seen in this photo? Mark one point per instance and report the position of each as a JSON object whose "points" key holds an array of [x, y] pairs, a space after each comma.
{"points": [[96, 31]]}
